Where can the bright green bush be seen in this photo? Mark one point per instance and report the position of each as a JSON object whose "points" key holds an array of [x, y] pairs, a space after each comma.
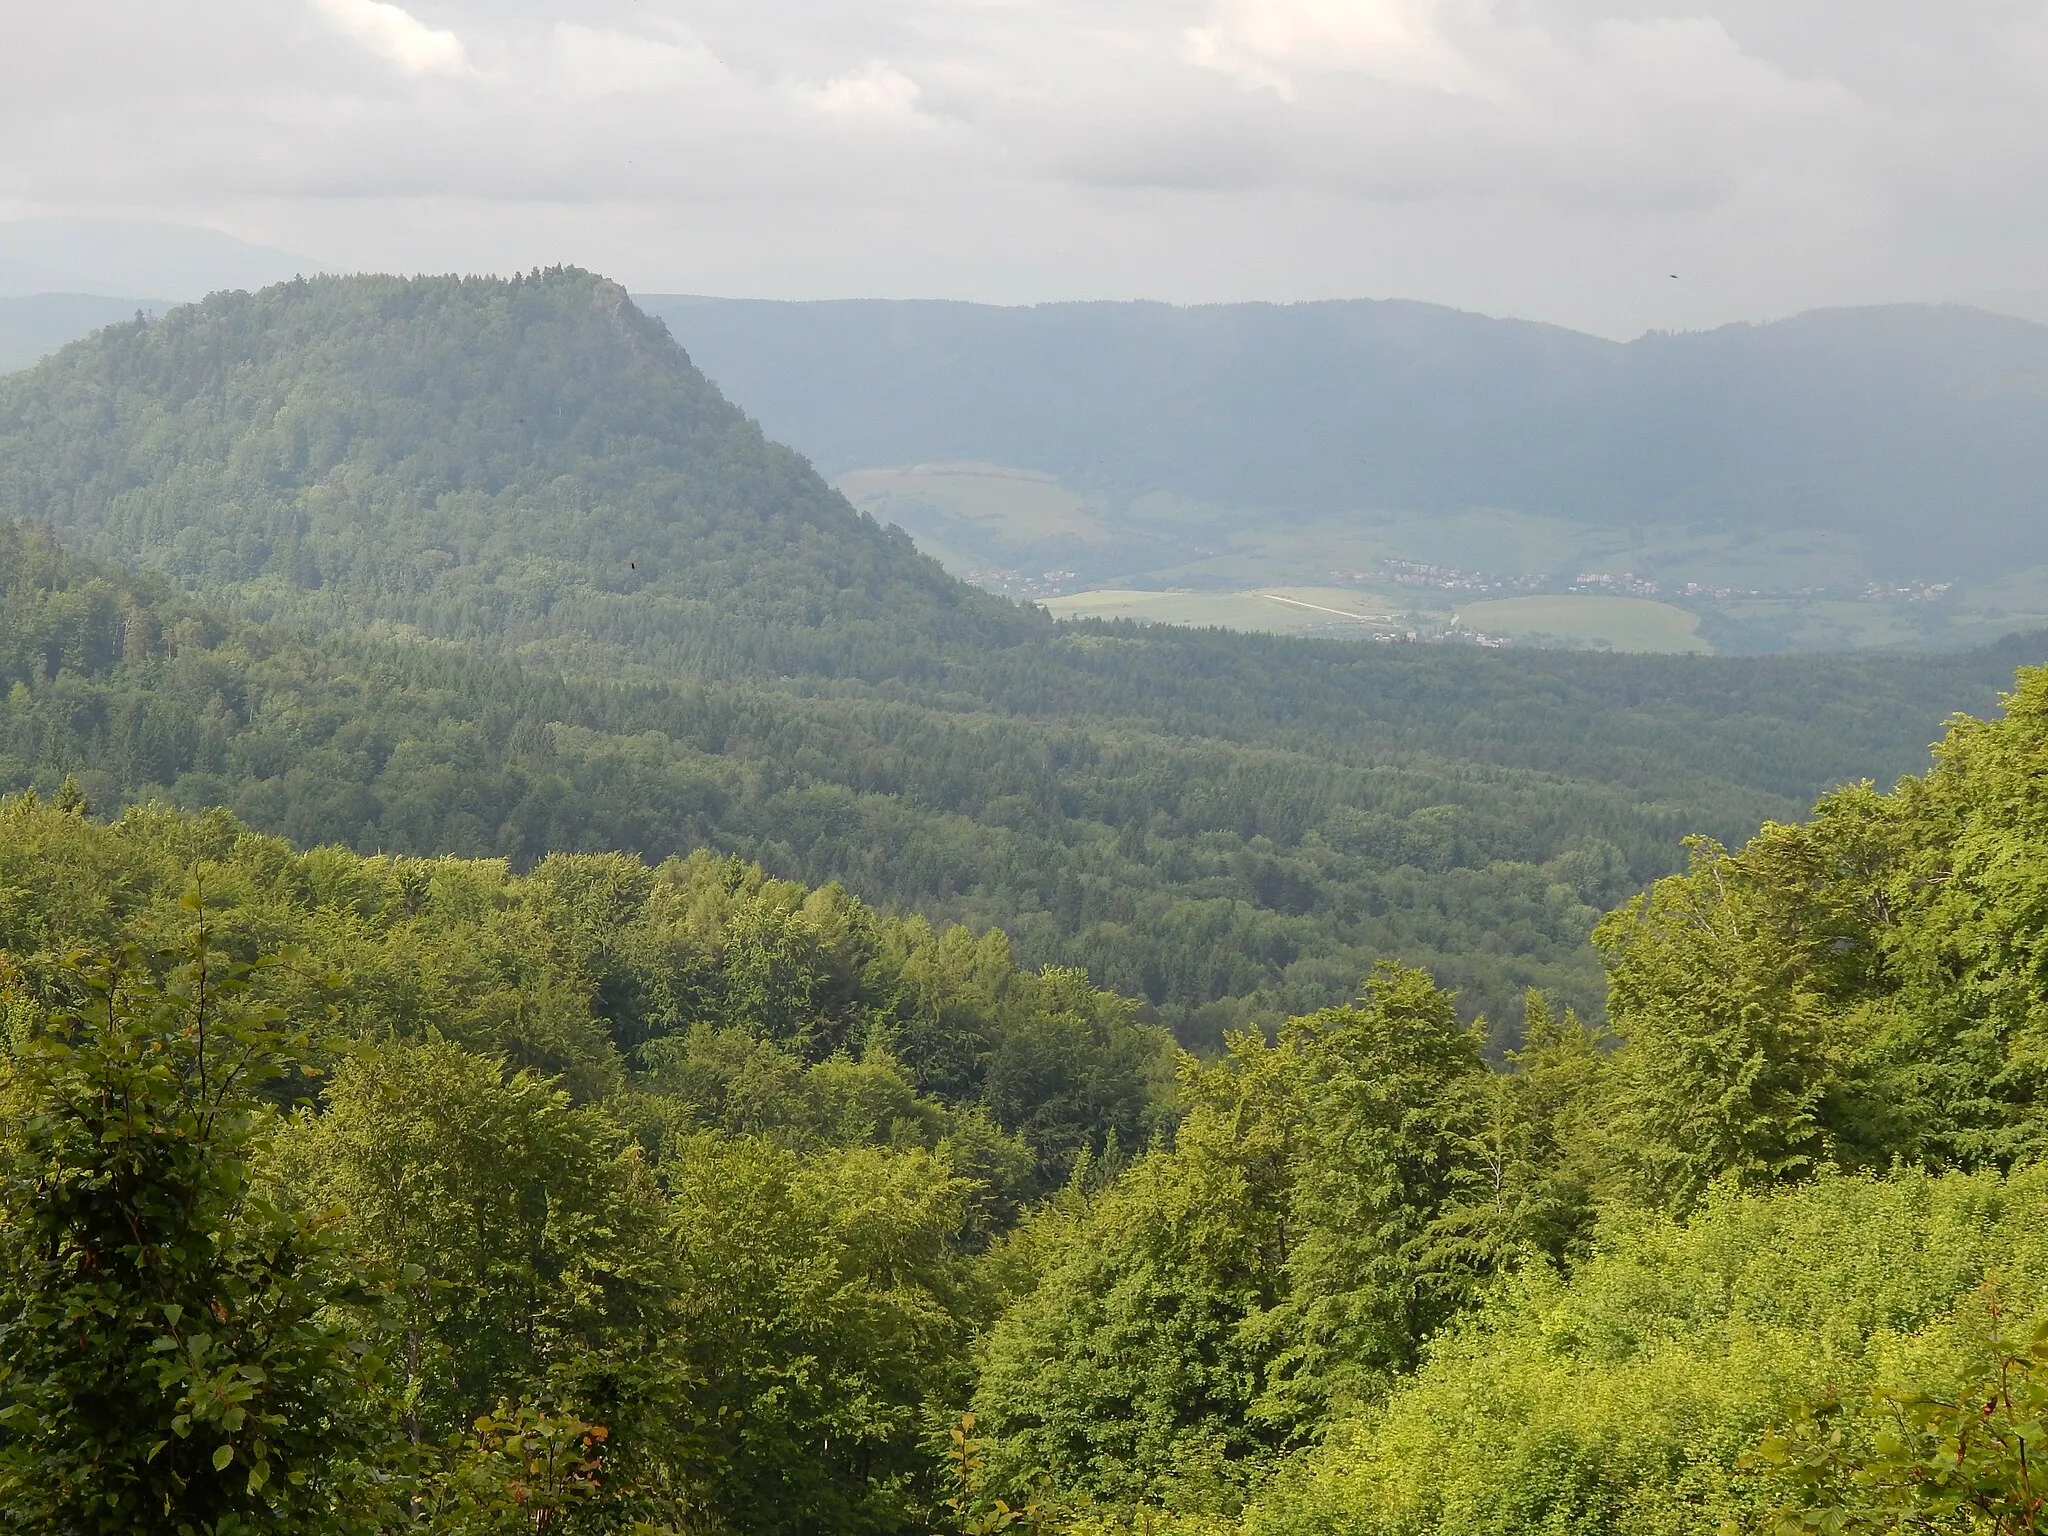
{"points": [[1620, 1401]]}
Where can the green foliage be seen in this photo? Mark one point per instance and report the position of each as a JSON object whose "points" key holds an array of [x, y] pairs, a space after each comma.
{"points": [[675, 1192], [594, 965], [531, 474], [1123, 1368], [633, 1148], [768, 1187], [1263, 837], [1963, 1459], [530, 459], [519, 1469], [527, 1237], [1080, 1074], [970, 1508], [1864, 987], [825, 1306], [1859, 993], [1731, 1053], [184, 1351], [1375, 1110], [1627, 1397], [1840, 997], [1330, 1199]]}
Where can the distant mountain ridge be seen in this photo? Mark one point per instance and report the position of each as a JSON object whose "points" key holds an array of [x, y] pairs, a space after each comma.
{"points": [[138, 256], [1923, 430]]}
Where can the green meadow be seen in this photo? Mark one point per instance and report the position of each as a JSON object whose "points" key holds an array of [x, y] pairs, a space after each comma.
{"points": [[1599, 623]]}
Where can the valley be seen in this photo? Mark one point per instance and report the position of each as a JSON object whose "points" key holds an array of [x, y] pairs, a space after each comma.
{"points": [[994, 768], [1449, 577], [609, 614], [1487, 460]]}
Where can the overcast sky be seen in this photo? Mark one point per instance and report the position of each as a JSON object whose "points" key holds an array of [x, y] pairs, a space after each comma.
{"points": [[1556, 159]]}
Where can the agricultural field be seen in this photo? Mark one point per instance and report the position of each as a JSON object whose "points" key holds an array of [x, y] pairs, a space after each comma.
{"points": [[1593, 623], [1014, 531], [1018, 505], [1319, 611]]}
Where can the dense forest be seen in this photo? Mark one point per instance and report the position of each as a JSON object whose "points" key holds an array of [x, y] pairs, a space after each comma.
{"points": [[533, 461], [382, 1194], [488, 567], [1225, 827]]}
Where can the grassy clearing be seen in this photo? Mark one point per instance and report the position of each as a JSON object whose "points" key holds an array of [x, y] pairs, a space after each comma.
{"points": [[1611, 623], [1276, 610]]}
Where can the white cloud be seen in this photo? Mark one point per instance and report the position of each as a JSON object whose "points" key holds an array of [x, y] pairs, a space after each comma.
{"points": [[1267, 44], [596, 61], [877, 91], [394, 34]]}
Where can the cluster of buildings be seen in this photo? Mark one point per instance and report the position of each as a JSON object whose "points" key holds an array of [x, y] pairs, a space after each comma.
{"points": [[1627, 584], [1024, 584], [1447, 578], [1912, 592]]}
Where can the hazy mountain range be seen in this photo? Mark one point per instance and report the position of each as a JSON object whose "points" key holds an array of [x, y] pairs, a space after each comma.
{"points": [[134, 257], [1922, 431]]}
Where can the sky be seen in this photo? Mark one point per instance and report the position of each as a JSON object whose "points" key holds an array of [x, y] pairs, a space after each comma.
{"points": [[1612, 165]]}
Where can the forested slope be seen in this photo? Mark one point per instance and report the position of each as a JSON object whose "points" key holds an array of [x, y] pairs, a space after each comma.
{"points": [[517, 461], [1211, 823], [1820, 1295], [612, 1198], [1769, 1251], [424, 1109], [487, 567], [609, 1131]]}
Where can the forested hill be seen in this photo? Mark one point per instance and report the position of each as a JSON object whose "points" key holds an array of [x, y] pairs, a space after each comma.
{"points": [[1919, 429], [526, 459]]}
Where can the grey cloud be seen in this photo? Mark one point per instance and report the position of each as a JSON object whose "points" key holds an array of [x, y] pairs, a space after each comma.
{"points": [[1535, 153]]}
